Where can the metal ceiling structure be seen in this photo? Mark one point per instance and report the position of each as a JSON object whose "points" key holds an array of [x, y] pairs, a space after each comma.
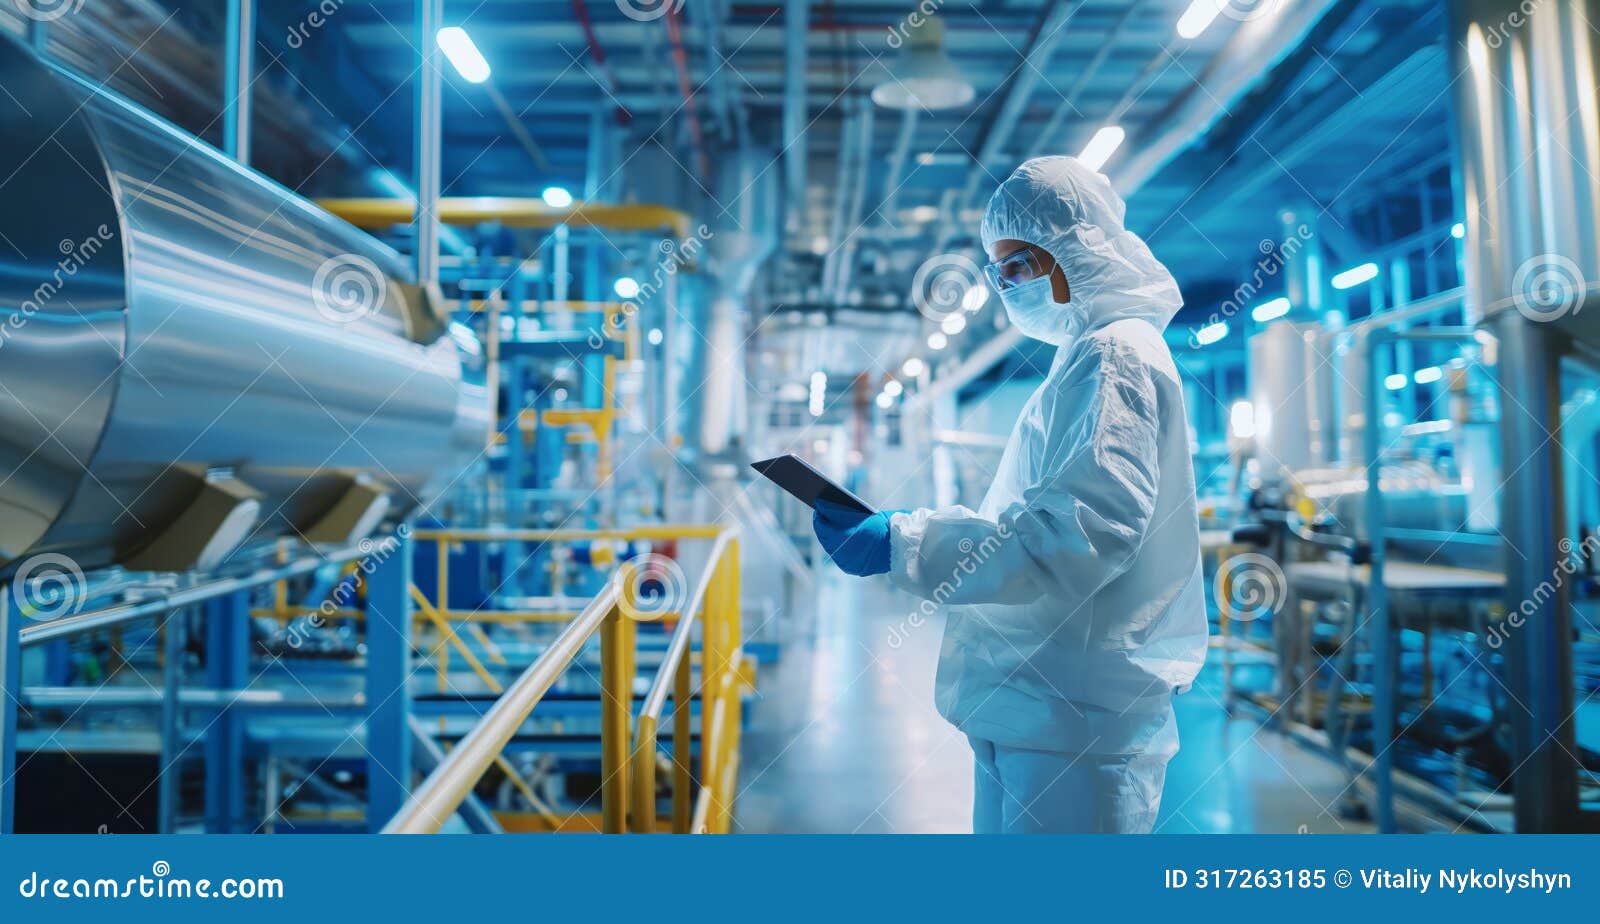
{"points": [[1337, 107]]}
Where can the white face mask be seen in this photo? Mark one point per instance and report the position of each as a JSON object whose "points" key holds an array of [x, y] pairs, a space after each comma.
{"points": [[1033, 310]]}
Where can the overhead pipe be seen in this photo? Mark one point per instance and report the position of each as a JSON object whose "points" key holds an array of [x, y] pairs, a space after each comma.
{"points": [[795, 112], [1069, 100], [580, 12], [1255, 48], [858, 195], [841, 202], [680, 64]]}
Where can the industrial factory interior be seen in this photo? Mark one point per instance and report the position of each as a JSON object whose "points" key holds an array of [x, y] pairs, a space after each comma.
{"points": [[1194, 412]]}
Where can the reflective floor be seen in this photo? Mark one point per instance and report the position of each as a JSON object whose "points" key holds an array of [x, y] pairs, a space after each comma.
{"points": [[846, 738]]}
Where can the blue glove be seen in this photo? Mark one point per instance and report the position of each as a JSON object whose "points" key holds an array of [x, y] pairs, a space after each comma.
{"points": [[857, 542]]}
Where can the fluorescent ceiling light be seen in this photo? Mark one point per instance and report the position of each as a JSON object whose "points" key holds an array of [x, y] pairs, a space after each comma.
{"points": [[893, 388], [1428, 374], [625, 287], [954, 324], [975, 298], [1198, 17], [1355, 276], [468, 60], [1100, 148], [1395, 382], [1458, 230], [913, 367], [1211, 333], [938, 341], [885, 400], [556, 197], [1266, 311]]}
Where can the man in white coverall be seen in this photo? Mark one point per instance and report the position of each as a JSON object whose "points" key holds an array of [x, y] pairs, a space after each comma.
{"points": [[1075, 607]]}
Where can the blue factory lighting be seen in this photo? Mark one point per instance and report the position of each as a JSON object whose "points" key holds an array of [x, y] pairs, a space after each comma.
{"points": [[556, 197], [1428, 374], [1267, 311], [625, 287], [1211, 333], [468, 60], [1395, 381], [1355, 276], [1458, 230]]}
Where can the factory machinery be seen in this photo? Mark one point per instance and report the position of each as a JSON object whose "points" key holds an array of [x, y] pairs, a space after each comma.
{"points": [[1411, 585], [299, 539]]}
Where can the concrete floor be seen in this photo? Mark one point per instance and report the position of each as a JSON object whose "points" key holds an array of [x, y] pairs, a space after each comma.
{"points": [[846, 738]]}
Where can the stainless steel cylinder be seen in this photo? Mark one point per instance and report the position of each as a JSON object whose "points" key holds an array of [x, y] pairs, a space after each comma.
{"points": [[169, 319]]}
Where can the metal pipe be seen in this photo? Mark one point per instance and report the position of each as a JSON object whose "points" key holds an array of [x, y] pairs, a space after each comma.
{"points": [[100, 619], [444, 790], [1255, 48], [238, 70], [796, 14], [429, 756], [172, 745], [858, 196], [428, 140], [146, 697]]}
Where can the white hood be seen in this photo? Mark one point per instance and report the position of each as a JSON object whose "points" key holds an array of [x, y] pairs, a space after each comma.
{"points": [[1071, 211]]}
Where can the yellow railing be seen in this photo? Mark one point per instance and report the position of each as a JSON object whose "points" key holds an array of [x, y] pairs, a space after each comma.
{"points": [[714, 604]]}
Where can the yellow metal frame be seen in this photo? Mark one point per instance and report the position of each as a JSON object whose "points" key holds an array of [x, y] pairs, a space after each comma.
{"points": [[512, 212], [628, 759]]}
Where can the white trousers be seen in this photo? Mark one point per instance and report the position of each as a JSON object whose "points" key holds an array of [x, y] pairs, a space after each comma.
{"points": [[1024, 791]]}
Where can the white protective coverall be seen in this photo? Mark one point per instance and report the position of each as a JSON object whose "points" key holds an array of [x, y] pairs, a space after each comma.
{"points": [[1073, 594]]}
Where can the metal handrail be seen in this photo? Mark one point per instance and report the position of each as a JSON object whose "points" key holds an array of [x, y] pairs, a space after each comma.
{"points": [[448, 786], [674, 672]]}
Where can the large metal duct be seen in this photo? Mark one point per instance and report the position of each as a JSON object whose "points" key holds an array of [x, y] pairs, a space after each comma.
{"points": [[1527, 117], [743, 223], [192, 357]]}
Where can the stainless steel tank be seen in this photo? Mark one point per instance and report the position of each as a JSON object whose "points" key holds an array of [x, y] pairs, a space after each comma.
{"points": [[191, 356]]}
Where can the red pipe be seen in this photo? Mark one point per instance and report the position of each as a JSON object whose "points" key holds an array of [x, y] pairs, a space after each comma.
{"points": [[580, 9], [680, 63]]}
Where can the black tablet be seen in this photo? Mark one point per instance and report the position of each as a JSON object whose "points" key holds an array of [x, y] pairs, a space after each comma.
{"points": [[791, 473]]}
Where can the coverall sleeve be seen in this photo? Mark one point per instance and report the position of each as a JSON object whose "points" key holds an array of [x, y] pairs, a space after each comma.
{"points": [[1083, 515]]}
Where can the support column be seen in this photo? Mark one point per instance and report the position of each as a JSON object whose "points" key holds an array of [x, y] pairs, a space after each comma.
{"points": [[388, 625], [10, 691], [167, 794], [227, 621]]}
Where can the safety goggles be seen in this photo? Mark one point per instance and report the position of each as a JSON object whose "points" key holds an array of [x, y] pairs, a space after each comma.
{"points": [[1013, 270]]}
